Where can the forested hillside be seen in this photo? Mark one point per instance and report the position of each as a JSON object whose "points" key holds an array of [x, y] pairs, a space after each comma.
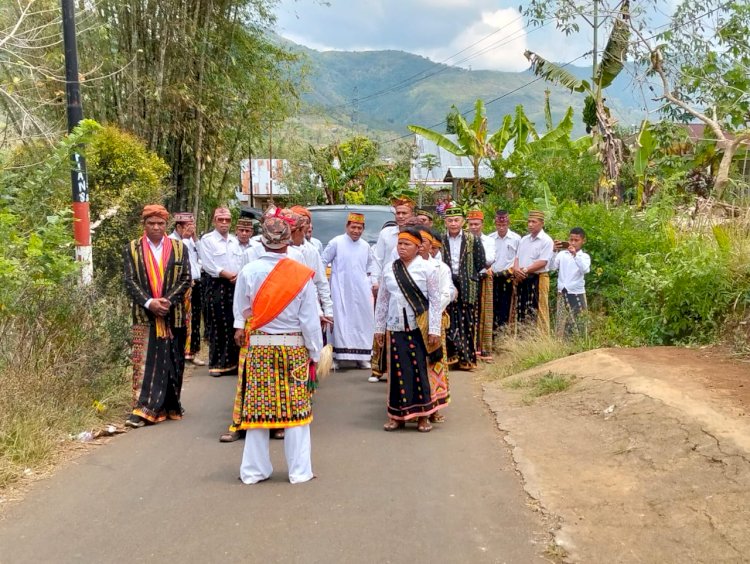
{"points": [[387, 90]]}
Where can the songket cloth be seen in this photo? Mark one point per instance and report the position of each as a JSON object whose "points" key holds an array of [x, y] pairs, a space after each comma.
{"points": [[158, 366], [461, 334], [409, 391], [223, 351], [502, 298], [532, 301], [484, 317], [571, 314], [438, 370], [193, 309], [274, 387]]}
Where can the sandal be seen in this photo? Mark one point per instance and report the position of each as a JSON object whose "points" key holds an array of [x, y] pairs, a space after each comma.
{"points": [[437, 418], [393, 425], [423, 425]]}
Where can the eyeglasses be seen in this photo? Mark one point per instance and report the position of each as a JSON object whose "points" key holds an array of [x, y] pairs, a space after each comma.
{"points": [[223, 220]]}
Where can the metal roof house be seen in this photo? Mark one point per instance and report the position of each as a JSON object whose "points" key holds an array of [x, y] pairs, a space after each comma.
{"points": [[449, 169]]}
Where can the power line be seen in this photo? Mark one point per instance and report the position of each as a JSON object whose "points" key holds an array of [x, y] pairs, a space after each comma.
{"points": [[417, 77], [505, 95]]}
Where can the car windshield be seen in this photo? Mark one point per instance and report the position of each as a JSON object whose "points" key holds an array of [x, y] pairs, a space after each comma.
{"points": [[327, 223]]}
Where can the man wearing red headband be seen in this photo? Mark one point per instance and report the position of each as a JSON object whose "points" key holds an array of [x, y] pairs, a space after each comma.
{"points": [[221, 256], [157, 274], [475, 221], [351, 260]]}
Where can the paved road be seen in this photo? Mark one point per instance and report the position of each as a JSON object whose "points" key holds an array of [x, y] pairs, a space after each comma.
{"points": [[170, 493]]}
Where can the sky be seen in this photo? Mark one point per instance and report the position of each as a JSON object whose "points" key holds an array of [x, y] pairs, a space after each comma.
{"points": [[492, 32]]}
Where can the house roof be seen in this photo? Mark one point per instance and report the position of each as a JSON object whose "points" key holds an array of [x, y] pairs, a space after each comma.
{"points": [[466, 172], [445, 161]]}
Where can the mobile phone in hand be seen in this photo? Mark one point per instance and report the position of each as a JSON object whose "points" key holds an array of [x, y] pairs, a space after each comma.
{"points": [[564, 244]]}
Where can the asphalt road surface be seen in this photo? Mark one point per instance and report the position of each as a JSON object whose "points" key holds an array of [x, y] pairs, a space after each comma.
{"points": [[170, 493]]}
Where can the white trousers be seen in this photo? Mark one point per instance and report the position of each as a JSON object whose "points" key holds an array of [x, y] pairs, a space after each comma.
{"points": [[256, 458]]}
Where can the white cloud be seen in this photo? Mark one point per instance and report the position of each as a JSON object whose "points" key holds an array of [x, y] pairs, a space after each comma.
{"points": [[495, 42]]}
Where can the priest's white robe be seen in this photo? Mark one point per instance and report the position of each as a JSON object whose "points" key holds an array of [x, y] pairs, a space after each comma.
{"points": [[351, 291]]}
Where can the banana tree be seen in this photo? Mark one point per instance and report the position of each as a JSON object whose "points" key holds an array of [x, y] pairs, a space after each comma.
{"points": [[472, 140], [609, 146]]}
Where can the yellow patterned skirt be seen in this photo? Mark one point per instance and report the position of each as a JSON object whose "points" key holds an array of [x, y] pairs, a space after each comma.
{"points": [[273, 387]]}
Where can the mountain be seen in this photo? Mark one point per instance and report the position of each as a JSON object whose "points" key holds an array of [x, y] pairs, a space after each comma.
{"points": [[384, 91]]}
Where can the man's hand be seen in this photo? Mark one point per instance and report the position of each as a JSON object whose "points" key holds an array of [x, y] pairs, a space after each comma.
{"points": [[375, 290], [519, 274], [158, 308], [326, 322], [556, 245], [380, 339], [433, 340], [572, 250], [231, 276], [239, 337]]}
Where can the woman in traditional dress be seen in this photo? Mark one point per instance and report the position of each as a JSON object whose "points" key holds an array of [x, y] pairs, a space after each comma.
{"points": [[407, 323]]}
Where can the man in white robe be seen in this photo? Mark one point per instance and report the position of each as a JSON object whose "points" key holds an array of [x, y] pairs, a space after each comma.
{"points": [[351, 261]]}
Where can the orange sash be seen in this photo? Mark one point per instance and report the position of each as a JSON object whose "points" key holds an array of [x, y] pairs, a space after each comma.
{"points": [[280, 287]]}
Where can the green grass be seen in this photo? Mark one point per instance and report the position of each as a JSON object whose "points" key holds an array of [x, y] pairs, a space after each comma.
{"points": [[60, 354], [550, 383]]}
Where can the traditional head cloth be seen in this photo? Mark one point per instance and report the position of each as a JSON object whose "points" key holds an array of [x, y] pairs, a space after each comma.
{"points": [[416, 239], [155, 210], [501, 213], [299, 210], [184, 217], [355, 217], [437, 240], [424, 213], [535, 214], [222, 212], [276, 232], [403, 201], [454, 211], [475, 214], [246, 222], [427, 236]]}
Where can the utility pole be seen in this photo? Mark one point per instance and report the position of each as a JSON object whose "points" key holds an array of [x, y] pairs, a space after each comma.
{"points": [[78, 178]]}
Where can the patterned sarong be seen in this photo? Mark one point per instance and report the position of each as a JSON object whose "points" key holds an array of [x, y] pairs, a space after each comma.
{"points": [[273, 387], [571, 314], [503, 294], [532, 301], [484, 318], [460, 334], [223, 352], [158, 365], [409, 392], [438, 371]]}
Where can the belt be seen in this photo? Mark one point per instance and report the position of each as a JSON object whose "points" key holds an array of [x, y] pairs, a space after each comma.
{"points": [[277, 341]]}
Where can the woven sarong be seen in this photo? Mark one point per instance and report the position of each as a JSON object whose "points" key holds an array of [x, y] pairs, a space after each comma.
{"points": [[409, 392], [223, 352], [273, 387], [484, 329], [158, 365]]}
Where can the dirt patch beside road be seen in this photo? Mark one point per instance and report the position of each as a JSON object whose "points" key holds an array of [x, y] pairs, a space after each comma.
{"points": [[645, 458]]}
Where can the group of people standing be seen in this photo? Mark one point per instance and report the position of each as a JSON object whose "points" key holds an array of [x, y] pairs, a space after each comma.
{"points": [[409, 307]]}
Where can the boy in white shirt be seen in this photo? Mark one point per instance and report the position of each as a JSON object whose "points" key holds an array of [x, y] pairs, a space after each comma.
{"points": [[572, 264]]}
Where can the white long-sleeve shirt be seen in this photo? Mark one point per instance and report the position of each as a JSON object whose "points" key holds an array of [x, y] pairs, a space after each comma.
{"points": [[571, 271], [391, 304], [505, 250], [489, 249], [301, 315], [311, 259], [383, 248], [192, 249], [219, 254], [448, 291], [534, 248]]}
